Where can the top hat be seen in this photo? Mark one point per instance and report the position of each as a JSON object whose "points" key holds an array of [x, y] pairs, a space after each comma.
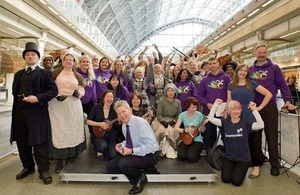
{"points": [[31, 46]]}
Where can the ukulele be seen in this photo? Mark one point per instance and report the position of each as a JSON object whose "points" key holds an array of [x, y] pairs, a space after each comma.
{"points": [[225, 59], [188, 138], [99, 132], [149, 109]]}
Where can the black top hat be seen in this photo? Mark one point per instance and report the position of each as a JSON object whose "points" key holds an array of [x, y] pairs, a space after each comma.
{"points": [[232, 64], [31, 46]]}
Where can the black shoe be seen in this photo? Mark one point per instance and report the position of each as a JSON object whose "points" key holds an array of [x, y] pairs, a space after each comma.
{"points": [[47, 179], [24, 173], [138, 187], [58, 166], [274, 171]]}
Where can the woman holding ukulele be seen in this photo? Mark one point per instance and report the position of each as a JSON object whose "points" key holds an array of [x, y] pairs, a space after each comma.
{"points": [[191, 119], [104, 116]]}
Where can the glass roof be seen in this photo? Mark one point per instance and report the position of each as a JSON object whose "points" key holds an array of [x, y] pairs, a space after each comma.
{"points": [[130, 24]]}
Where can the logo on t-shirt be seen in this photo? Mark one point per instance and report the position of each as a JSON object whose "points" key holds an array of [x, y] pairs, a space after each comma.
{"points": [[183, 89], [102, 80], [259, 75], [239, 130], [217, 84]]}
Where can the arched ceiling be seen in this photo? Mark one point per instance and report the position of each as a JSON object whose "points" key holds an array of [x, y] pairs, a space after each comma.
{"points": [[128, 23]]}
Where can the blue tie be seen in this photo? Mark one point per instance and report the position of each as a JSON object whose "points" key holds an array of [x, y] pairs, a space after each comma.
{"points": [[128, 138]]}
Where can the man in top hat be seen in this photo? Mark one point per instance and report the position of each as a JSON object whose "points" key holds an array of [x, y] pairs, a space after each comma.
{"points": [[33, 88], [229, 68]]}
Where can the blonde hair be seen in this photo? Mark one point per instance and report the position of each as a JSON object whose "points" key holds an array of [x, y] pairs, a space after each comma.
{"points": [[91, 72], [233, 104], [113, 68], [260, 45], [141, 69]]}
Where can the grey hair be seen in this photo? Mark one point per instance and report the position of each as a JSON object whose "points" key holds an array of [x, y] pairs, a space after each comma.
{"points": [[121, 103], [140, 68]]}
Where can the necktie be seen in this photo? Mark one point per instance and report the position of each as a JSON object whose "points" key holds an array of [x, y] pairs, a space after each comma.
{"points": [[28, 70], [128, 138]]}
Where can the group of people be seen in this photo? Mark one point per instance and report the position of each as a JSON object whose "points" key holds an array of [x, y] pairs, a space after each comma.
{"points": [[145, 110]]}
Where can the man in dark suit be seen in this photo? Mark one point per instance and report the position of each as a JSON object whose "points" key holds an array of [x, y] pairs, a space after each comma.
{"points": [[33, 88]]}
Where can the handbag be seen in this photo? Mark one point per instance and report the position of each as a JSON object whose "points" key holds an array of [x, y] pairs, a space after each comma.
{"points": [[215, 156]]}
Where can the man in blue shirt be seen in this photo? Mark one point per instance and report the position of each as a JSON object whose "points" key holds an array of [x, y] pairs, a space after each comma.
{"points": [[137, 152]]}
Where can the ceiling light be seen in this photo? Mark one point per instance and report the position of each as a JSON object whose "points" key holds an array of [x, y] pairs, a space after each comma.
{"points": [[55, 12], [223, 33], [252, 13], [16, 31], [216, 37], [264, 5], [78, 31], [63, 18], [43, 2], [210, 41], [242, 20], [283, 36]]}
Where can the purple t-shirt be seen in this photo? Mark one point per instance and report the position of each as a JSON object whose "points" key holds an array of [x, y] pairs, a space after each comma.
{"points": [[271, 77], [212, 87]]}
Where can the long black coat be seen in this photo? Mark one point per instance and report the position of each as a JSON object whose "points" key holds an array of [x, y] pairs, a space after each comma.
{"points": [[42, 85]]}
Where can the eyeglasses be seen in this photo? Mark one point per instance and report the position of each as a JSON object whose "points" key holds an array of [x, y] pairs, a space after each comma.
{"points": [[260, 53]]}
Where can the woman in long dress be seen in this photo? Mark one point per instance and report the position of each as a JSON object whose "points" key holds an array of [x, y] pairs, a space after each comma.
{"points": [[66, 114]]}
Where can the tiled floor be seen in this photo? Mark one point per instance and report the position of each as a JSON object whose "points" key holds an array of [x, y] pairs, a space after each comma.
{"points": [[265, 184]]}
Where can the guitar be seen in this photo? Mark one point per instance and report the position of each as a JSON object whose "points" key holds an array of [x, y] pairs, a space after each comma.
{"points": [[224, 59], [188, 138], [100, 132], [202, 50]]}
